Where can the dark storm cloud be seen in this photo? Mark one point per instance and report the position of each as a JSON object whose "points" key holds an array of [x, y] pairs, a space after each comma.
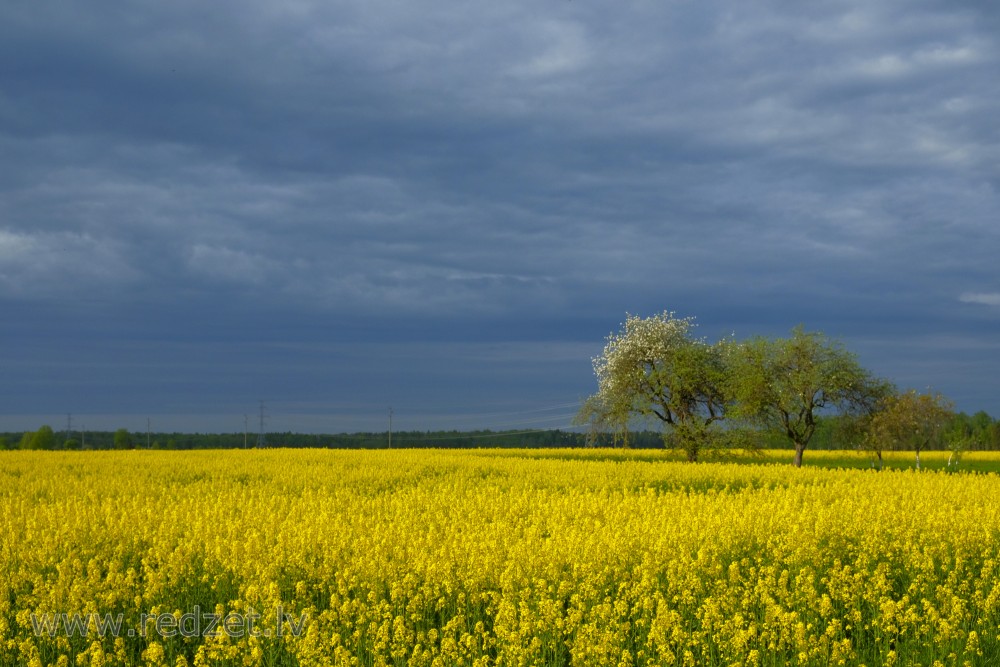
{"points": [[517, 174]]}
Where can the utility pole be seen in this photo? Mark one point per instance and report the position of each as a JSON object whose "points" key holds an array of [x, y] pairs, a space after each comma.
{"points": [[390, 427], [260, 435], [147, 433], [246, 430]]}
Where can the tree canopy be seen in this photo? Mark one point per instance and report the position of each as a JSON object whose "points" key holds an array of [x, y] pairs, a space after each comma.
{"points": [[123, 439], [785, 383], [654, 368], [911, 421], [43, 438]]}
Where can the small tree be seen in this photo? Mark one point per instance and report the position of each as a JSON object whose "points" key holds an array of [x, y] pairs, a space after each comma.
{"points": [[957, 448], [979, 430], [912, 421], [596, 416], [123, 439], [869, 398], [654, 369], [43, 438], [783, 384]]}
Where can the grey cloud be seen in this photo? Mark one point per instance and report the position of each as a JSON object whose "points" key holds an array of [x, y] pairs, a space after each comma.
{"points": [[38, 265], [495, 169]]}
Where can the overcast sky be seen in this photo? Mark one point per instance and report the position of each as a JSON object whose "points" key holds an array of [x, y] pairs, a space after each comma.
{"points": [[339, 206]]}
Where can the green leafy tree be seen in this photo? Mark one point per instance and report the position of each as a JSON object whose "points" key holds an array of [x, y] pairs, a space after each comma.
{"points": [[43, 438], [980, 422], [784, 384], [956, 450], [71, 443], [912, 421], [654, 369], [868, 398], [979, 431], [123, 439]]}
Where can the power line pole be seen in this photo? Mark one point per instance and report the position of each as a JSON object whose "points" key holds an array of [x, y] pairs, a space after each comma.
{"points": [[147, 433], [246, 429], [390, 427], [260, 435]]}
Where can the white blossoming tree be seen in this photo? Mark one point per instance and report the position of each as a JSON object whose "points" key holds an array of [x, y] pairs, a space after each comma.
{"points": [[654, 369]]}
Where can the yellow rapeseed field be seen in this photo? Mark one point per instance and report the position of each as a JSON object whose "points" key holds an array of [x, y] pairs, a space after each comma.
{"points": [[489, 558]]}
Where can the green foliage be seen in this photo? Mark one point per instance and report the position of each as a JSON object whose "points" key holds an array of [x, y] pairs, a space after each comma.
{"points": [[654, 369], [43, 438], [979, 431], [911, 421], [123, 439], [963, 433], [71, 443], [784, 384], [597, 417], [957, 448], [853, 428], [452, 439]]}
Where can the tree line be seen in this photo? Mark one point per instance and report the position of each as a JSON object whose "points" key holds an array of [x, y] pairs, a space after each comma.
{"points": [[980, 430], [46, 438], [741, 393]]}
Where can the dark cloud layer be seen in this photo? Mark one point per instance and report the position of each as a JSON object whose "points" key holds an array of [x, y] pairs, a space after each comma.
{"points": [[339, 205]]}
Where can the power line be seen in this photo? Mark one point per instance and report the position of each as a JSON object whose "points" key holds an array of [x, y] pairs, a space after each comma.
{"points": [[498, 434], [511, 413], [260, 435], [473, 421], [536, 420], [565, 418], [352, 410]]}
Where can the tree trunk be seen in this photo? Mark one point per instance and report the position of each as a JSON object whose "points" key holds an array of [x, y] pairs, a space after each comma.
{"points": [[918, 459], [799, 448], [880, 461]]}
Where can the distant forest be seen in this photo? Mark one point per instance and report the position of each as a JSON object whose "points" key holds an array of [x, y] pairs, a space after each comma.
{"points": [[980, 430]]}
